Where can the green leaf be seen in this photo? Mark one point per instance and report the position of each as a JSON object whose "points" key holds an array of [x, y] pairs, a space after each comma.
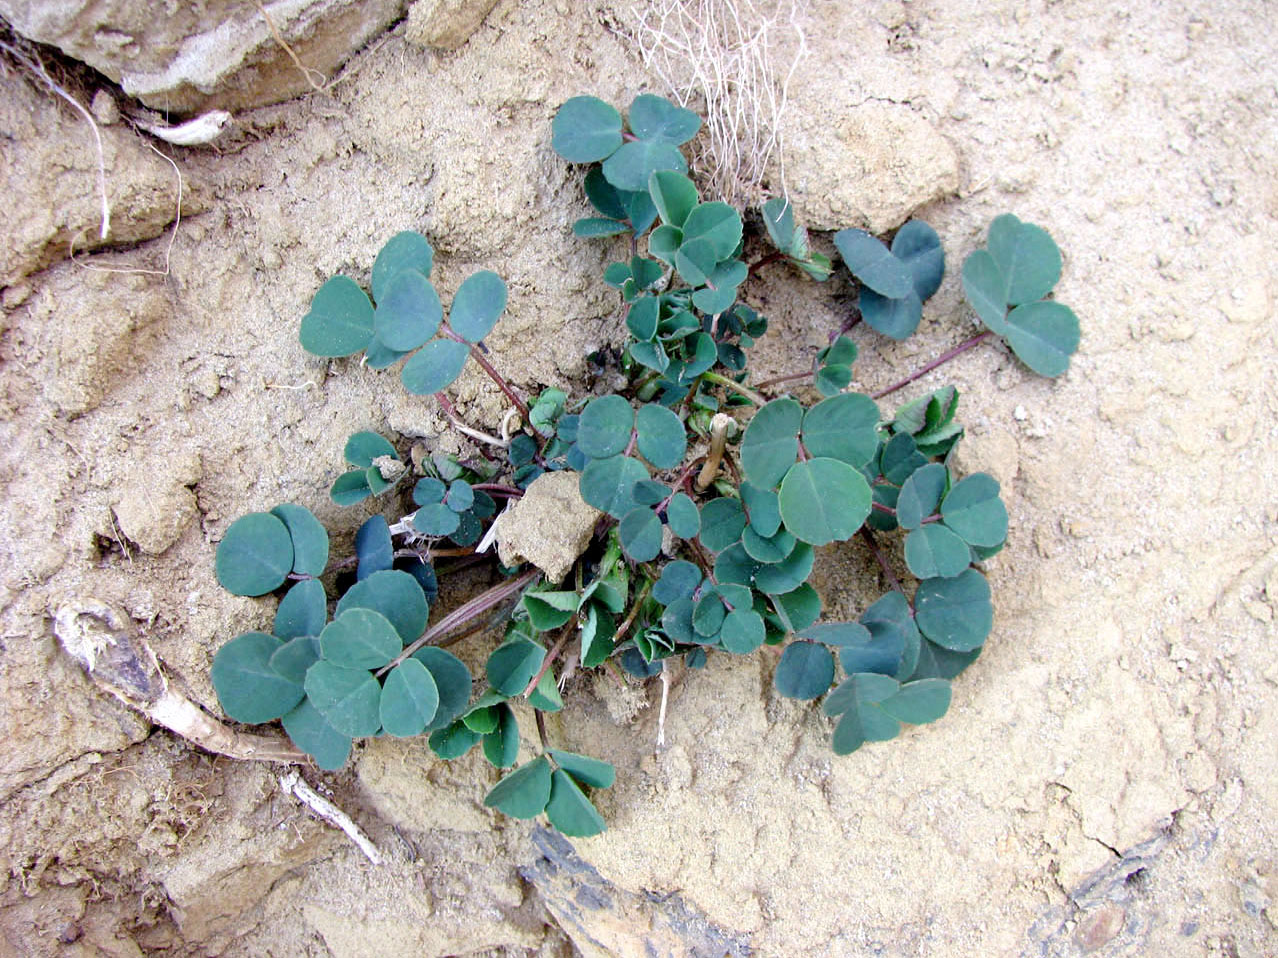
{"points": [[921, 494], [843, 427], [585, 130], [639, 210], [310, 539], [255, 556], [513, 664], [652, 355], [767, 549], [460, 496], [545, 697], [380, 356], [542, 614], [350, 488], [717, 224], [605, 426], [936, 662], [674, 195], [340, 322], [695, 260], [863, 720], [608, 484], [595, 227], [454, 741], [771, 442], [603, 196], [832, 378], [919, 702], [408, 313], [805, 671], [859, 690], [360, 639], [742, 631], [842, 351], [704, 355], [484, 716], [630, 166], [429, 491], [676, 621], [873, 264], [786, 575], [591, 772], [679, 579], [501, 746], [661, 440], [933, 551], [664, 242], [403, 251], [682, 517], [708, 614], [363, 447], [722, 522], [824, 501], [919, 248], [294, 657], [974, 510], [640, 533], [374, 550], [901, 458], [734, 565], [434, 367], [955, 613], [798, 608], [452, 682], [302, 611], [409, 699], [396, 595], [986, 290], [762, 508], [864, 651], [310, 732], [894, 318], [477, 305], [778, 219], [349, 699], [524, 792], [569, 810], [656, 118], [1027, 257], [1043, 336], [248, 688], [642, 318], [891, 623], [436, 520]]}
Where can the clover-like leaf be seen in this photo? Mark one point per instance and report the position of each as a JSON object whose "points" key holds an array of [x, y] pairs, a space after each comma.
{"points": [[310, 732], [824, 500], [661, 436], [894, 318], [453, 741], [524, 792], [1043, 335], [360, 639], [656, 118], [349, 699], [605, 426], [363, 447], [974, 510], [771, 442], [434, 367], [722, 522], [933, 551], [1027, 257], [395, 594], [603, 196], [374, 550], [797, 609], [294, 658], [843, 427], [742, 631], [674, 195], [986, 290], [804, 671], [350, 488], [340, 322], [409, 699], [596, 227], [569, 810], [682, 516], [302, 611], [452, 682], [955, 613], [786, 575], [858, 701], [679, 579], [633, 163], [408, 313], [642, 318], [477, 305], [608, 484], [873, 264], [255, 556], [513, 664], [585, 130], [919, 248], [890, 621], [919, 702], [921, 494], [585, 770], [403, 251], [248, 688], [714, 223], [310, 539], [640, 533], [501, 746]]}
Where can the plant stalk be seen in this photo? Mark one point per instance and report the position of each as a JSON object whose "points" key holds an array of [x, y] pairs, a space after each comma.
{"points": [[939, 361], [719, 427], [736, 387], [868, 536]]}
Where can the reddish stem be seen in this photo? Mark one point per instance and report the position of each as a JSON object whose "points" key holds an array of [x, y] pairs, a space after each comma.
{"points": [[868, 536], [773, 257], [939, 361]]}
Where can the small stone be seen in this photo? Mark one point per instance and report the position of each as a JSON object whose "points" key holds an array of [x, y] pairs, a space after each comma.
{"points": [[104, 108], [550, 526], [445, 24], [1100, 927]]}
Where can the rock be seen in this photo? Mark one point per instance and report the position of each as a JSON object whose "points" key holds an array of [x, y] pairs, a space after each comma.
{"points": [[51, 183], [156, 504], [603, 919], [549, 527], [1099, 927], [218, 54], [870, 166], [445, 24]]}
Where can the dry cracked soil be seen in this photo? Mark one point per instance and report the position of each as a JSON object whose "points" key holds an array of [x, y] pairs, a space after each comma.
{"points": [[1107, 780]]}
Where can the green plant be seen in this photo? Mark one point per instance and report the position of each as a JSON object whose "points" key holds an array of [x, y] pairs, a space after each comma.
{"points": [[716, 491]]}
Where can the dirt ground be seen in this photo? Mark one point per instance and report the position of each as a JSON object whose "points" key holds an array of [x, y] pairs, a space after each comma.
{"points": [[1107, 779]]}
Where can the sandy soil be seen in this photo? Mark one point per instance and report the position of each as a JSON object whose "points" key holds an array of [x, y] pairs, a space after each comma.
{"points": [[1106, 781]]}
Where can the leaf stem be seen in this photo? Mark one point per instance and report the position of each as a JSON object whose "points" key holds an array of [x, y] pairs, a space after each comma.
{"points": [[868, 536], [512, 491], [774, 257], [939, 361], [564, 635], [722, 380], [464, 613], [496, 377], [541, 729], [788, 378]]}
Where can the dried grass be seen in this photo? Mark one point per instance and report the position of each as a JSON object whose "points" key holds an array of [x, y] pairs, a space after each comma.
{"points": [[721, 56]]}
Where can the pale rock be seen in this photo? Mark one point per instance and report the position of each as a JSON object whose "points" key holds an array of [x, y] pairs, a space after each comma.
{"points": [[445, 24], [192, 57], [155, 505], [550, 526], [868, 166]]}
